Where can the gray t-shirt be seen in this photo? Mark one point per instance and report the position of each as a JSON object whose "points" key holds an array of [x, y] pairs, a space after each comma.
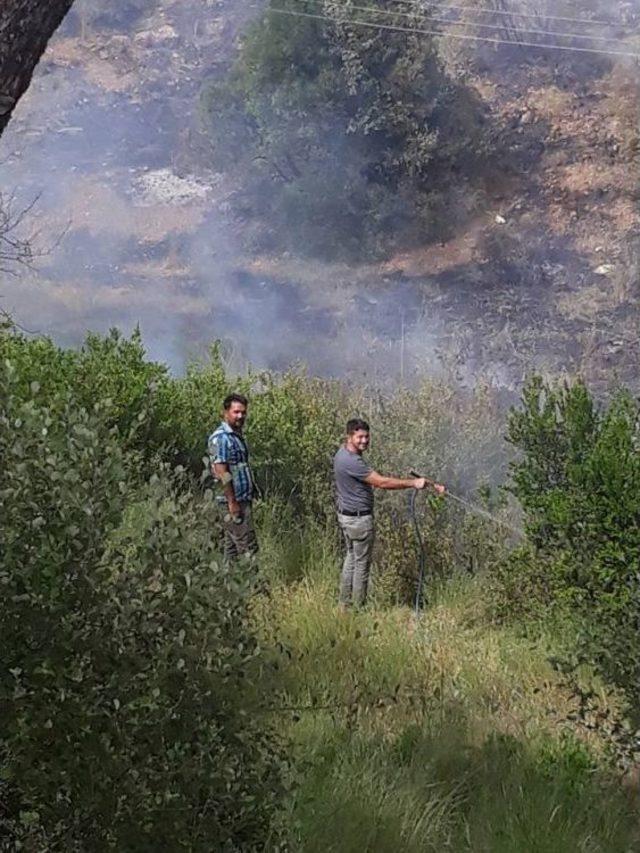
{"points": [[352, 493]]}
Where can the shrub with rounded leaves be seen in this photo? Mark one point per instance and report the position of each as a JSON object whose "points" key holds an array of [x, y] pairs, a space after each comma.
{"points": [[131, 680], [578, 479]]}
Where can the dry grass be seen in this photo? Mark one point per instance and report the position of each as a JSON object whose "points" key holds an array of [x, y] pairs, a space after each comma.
{"points": [[442, 733], [395, 667]]}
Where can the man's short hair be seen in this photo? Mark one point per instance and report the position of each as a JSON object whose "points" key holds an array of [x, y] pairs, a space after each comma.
{"points": [[356, 424], [234, 398]]}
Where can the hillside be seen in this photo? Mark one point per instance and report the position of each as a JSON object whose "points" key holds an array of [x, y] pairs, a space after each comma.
{"points": [[153, 693], [537, 267]]}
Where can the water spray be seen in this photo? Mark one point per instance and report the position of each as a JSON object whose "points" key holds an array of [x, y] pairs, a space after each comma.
{"points": [[420, 547], [477, 510]]}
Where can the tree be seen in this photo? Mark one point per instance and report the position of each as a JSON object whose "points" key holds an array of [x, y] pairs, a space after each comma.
{"points": [[341, 137], [25, 29]]}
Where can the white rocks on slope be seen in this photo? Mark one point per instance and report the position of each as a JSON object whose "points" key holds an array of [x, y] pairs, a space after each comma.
{"points": [[163, 186]]}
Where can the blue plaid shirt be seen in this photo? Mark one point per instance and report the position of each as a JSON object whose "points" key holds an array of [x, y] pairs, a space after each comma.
{"points": [[227, 446]]}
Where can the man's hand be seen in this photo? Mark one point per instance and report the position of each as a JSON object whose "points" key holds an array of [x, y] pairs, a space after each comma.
{"points": [[235, 510], [421, 482]]}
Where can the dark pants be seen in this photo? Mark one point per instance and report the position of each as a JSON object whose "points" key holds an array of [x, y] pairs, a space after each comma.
{"points": [[239, 537]]}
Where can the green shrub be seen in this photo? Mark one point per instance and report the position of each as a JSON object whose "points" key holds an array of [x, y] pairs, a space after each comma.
{"points": [[128, 694], [341, 138], [111, 371], [189, 409], [529, 585], [578, 480], [296, 423], [37, 360], [115, 371]]}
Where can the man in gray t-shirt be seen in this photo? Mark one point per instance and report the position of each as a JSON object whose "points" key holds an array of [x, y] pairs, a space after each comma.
{"points": [[355, 482]]}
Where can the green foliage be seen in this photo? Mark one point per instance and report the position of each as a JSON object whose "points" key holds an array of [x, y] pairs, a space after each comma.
{"points": [[340, 136], [579, 482], [432, 790], [530, 585], [136, 700], [36, 360], [188, 408], [555, 429], [116, 371], [111, 371], [129, 705], [295, 425]]}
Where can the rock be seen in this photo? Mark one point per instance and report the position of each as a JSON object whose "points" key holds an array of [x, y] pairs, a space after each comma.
{"points": [[162, 34], [163, 186], [500, 219], [604, 269], [527, 117]]}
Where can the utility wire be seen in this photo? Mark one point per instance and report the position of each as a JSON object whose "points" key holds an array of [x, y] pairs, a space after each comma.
{"points": [[483, 10], [444, 34], [429, 19]]}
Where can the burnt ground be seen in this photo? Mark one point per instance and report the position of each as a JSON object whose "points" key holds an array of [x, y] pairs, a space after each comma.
{"points": [[539, 273]]}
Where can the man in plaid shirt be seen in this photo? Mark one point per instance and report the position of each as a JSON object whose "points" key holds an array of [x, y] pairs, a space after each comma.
{"points": [[229, 464]]}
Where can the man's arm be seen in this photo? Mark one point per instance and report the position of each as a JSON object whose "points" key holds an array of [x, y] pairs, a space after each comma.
{"points": [[222, 473], [379, 481], [219, 455]]}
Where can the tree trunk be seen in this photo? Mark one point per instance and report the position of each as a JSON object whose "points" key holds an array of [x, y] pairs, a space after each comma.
{"points": [[25, 29]]}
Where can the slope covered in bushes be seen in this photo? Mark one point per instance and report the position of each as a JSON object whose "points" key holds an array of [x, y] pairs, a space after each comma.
{"points": [[148, 691], [129, 662]]}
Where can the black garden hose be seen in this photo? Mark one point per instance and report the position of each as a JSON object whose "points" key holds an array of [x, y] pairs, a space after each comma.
{"points": [[420, 550]]}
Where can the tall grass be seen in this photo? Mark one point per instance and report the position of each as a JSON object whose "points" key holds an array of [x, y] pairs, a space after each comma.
{"points": [[439, 733]]}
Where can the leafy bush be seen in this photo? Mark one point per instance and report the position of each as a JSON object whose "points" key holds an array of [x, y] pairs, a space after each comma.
{"points": [[111, 370], [579, 482], [128, 693], [188, 409], [295, 425], [344, 133]]}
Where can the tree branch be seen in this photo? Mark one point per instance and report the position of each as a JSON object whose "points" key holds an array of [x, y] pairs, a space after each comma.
{"points": [[25, 29]]}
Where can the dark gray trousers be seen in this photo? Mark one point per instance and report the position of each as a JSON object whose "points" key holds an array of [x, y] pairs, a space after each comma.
{"points": [[239, 538]]}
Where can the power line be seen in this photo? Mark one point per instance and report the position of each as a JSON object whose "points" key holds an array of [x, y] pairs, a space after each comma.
{"points": [[483, 10], [376, 11], [444, 34]]}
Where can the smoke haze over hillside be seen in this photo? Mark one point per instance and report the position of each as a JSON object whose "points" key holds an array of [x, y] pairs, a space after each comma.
{"points": [[141, 231]]}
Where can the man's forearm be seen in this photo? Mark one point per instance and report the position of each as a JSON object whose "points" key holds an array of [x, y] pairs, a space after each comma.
{"points": [[230, 494], [379, 481], [224, 475], [396, 483]]}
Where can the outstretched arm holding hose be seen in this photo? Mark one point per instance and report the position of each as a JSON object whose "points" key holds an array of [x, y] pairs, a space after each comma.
{"points": [[379, 481], [355, 482]]}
